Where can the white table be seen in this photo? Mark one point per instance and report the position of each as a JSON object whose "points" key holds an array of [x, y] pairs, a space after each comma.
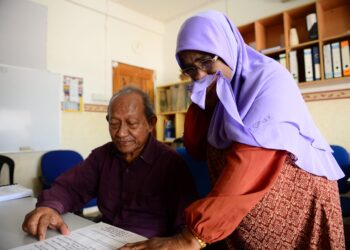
{"points": [[11, 218]]}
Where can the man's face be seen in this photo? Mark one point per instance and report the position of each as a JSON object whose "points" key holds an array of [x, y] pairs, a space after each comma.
{"points": [[128, 125]]}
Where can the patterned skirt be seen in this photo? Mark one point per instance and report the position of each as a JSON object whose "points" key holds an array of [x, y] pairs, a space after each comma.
{"points": [[301, 211]]}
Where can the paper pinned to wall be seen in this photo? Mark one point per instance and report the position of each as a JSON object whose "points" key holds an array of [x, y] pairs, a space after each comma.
{"points": [[73, 93]]}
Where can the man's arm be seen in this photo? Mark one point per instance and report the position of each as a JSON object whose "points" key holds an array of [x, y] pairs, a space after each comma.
{"points": [[69, 193], [71, 190]]}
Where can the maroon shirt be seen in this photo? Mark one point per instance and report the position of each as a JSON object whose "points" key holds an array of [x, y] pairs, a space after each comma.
{"points": [[147, 196]]}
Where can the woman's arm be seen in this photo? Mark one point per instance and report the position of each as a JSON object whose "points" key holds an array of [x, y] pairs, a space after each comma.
{"points": [[248, 175]]}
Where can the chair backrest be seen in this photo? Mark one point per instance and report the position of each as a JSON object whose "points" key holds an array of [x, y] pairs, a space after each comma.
{"points": [[341, 155], [199, 171], [11, 164], [56, 162]]}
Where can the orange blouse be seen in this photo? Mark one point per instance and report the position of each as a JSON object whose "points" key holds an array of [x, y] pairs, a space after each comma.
{"points": [[248, 174]]}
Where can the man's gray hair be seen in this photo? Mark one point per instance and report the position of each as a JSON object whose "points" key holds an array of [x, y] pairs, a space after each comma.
{"points": [[148, 107]]}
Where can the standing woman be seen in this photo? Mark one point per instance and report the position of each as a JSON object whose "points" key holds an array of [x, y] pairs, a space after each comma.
{"points": [[274, 176]]}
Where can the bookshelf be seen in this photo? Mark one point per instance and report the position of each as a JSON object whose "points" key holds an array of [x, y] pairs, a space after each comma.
{"points": [[271, 36], [172, 101]]}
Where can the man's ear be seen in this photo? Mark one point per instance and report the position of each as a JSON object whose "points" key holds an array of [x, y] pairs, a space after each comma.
{"points": [[153, 121]]}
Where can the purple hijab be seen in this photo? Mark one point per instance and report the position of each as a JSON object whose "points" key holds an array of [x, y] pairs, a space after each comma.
{"points": [[261, 105]]}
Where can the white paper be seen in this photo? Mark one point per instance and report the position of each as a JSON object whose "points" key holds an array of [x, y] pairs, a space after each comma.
{"points": [[99, 236], [74, 90], [16, 191]]}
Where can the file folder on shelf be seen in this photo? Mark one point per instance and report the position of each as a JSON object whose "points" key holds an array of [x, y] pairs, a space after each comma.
{"points": [[316, 63], [282, 59], [327, 59], [293, 63], [345, 57], [336, 61], [308, 65]]}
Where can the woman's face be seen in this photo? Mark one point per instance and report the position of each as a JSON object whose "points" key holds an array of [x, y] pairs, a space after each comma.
{"points": [[197, 64]]}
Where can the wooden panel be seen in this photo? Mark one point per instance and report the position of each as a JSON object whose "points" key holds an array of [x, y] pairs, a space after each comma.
{"points": [[260, 36], [248, 33], [271, 31], [337, 21], [125, 74]]}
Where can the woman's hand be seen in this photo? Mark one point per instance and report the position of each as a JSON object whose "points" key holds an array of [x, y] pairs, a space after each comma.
{"points": [[182, 241]]}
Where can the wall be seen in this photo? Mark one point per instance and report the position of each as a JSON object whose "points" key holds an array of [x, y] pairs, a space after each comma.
{"points": [[332, 118], [84, 38]]}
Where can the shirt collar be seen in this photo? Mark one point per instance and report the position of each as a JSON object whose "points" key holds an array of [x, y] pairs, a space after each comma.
{"points": [[148, 152]]}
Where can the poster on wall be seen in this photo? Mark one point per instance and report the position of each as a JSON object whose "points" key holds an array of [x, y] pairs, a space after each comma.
{"points": [[73, 93]]}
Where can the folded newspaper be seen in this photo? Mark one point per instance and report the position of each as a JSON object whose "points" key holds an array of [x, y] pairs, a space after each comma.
{"points": [[15, 191]]}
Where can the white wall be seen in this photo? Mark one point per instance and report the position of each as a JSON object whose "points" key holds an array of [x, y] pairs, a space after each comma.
{"points": [[23, 32], [332, 118], [84, 37]]}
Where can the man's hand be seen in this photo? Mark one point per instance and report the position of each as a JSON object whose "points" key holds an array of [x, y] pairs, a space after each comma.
{"points": [[37, 221]]}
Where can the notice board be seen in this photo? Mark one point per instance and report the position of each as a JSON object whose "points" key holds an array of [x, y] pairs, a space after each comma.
{"points": [[29, 109]]}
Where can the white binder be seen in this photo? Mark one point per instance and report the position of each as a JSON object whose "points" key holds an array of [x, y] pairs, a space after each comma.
{"points": [[328, 67], [282, 59], [293, 63], [336, 59], [308, 65]]}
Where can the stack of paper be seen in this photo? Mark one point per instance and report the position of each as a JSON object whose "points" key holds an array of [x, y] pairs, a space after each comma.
{"points": [[16, 191]]}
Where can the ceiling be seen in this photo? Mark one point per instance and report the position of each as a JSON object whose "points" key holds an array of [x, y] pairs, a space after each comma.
{"points": [[164, 10]]}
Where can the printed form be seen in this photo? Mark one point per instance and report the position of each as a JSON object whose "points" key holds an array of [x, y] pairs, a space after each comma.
{"points": [[99, 236]]}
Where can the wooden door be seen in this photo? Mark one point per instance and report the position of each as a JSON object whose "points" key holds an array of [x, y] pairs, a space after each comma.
{"points": [[124, 74]]}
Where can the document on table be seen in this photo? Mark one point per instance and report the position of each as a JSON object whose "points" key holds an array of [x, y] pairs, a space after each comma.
{"points": [[15, 191], [99, 236]]}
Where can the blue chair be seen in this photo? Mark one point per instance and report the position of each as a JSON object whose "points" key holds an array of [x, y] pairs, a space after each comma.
{"points": [[199, 171], [342, 157], [56, 162]]}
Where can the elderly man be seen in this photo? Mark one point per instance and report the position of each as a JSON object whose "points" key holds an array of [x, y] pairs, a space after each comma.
{"points": [[141, 185]]}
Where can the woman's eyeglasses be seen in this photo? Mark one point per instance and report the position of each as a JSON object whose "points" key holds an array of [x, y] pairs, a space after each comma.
{"points": [[205, 65]]}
